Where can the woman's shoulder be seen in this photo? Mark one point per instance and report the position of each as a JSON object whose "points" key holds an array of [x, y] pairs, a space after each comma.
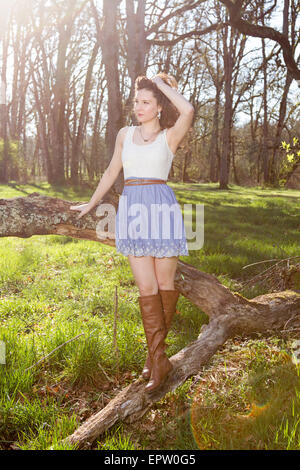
{"points": [[123, 132]]}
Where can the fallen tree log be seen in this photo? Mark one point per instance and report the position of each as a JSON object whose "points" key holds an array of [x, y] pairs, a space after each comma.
{"points": [[43, 215], [229, 313]]}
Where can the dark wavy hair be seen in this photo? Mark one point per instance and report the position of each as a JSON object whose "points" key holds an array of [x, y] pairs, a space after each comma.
{"points": [[169, 113]]}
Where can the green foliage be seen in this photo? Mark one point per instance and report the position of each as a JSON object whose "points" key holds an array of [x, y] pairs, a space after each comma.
{"points": [[17, 167], [291, 160]]}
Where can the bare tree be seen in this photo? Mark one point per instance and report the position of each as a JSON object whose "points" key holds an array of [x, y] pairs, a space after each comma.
{"points": [[4, 35]]}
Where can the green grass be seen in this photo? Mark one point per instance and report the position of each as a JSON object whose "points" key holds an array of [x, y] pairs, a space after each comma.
{"points": [[256, 407], [248, 398], [54, 289], [117, 439]]}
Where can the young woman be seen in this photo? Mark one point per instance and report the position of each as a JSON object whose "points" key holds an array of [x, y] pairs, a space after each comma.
{"points": [[155, 238]]}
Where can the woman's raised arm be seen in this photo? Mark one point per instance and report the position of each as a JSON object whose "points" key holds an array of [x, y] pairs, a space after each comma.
{"points": [[176, 133]]}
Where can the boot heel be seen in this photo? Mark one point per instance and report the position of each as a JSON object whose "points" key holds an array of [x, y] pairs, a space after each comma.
{"points": [[146, 373], [160, 370]]}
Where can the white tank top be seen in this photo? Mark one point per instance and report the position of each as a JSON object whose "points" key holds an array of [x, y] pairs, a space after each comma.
{"points": [[152, 160]]}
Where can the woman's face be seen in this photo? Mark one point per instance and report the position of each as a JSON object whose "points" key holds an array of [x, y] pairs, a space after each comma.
{"points": [[145, 105]]}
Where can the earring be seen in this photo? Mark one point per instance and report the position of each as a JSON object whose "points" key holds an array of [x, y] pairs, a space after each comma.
{"points": [[159, 115]]}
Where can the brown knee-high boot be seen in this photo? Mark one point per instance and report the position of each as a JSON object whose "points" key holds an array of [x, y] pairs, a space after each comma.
{"points": [[169, 301], [155, 331]]}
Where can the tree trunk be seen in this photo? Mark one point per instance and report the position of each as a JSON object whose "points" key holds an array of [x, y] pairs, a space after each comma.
{"points": [[78, 140], [110, 53], [187, 158], [235, 175], [265, 155], [137, 46], [225, 155], [42, 133], [279, 129], [283, 103], [218, 79], [4, 161], [214, 156], [59, 106]]}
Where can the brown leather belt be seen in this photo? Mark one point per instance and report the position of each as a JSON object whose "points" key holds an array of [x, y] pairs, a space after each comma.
{"points": [[133, 182]]}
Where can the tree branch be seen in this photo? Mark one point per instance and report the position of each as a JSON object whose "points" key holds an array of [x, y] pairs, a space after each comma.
{"points": [[249, 29], [190, 34]]}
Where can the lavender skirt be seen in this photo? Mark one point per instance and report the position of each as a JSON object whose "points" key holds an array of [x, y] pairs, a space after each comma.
{"points": [[149, 222]]}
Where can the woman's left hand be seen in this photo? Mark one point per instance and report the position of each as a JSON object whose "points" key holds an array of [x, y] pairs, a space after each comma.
{"points": [[82, 208]]}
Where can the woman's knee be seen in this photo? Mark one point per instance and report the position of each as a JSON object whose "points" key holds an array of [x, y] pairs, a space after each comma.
{"points": [[148, 289], [166, 284], [165, 270]]}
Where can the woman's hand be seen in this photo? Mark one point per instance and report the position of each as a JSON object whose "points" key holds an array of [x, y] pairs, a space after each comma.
{"points": [[157, 80], [168, 79], [83, 208]]}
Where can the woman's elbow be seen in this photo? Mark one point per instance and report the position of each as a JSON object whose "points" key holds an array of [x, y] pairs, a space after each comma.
{"points": [[112, 174]]}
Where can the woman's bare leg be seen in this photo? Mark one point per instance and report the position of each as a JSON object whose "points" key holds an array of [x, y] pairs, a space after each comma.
{"points": [[165, 269], [151, 274], [143, 270]]}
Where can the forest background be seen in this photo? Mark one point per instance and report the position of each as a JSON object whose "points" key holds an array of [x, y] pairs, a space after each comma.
{"points": [[67, 84]]}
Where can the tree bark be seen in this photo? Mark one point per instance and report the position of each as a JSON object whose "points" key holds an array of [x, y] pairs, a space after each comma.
{"points": [[110, 44], [43, 215], [218, 80], [60, 104], [226, 137], [4, 164], [78, 140], [284, 98], [279, 128], [265, 147]]}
